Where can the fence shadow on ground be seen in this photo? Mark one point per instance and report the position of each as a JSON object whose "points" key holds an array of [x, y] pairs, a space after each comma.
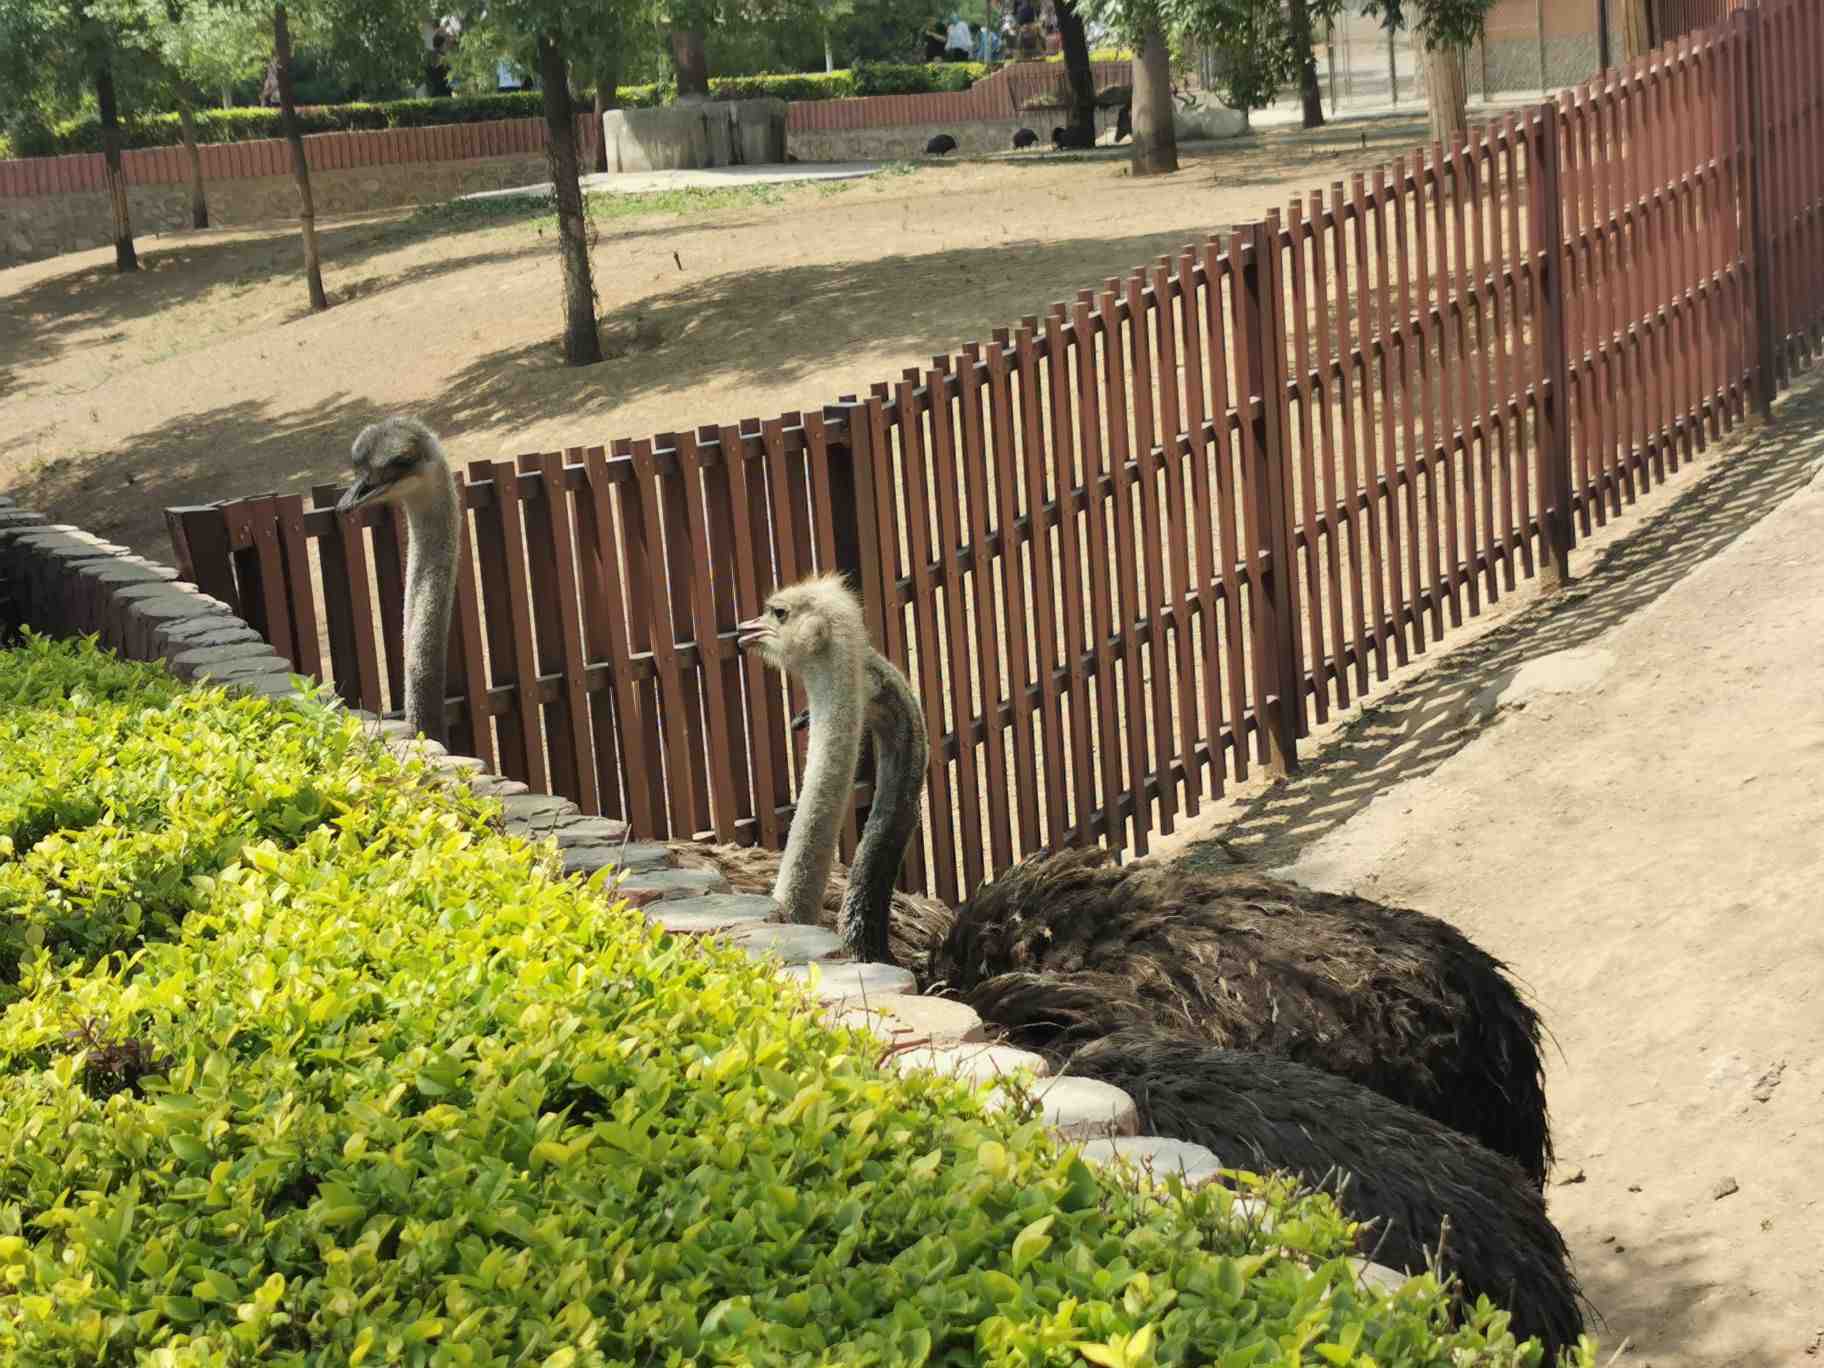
{"points": [[1407, 733]]}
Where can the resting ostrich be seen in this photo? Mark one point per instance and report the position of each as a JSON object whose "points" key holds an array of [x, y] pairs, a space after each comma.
{"points": [[1390, 998], [400, 461], [1413, 1179], [1124, 123], [1025, 137], [939, 145], [1067, 139], [1425, 1183]]}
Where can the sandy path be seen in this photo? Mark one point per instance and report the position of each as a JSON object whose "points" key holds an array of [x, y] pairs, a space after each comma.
{"points": [[1622, 794]]}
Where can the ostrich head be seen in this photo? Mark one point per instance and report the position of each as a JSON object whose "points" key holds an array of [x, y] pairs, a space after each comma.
{"points": [[810, 628], [396, 460]]}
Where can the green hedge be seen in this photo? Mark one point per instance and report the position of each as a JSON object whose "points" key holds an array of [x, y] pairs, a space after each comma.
{"points": [[304, 1063], [248, 124]]}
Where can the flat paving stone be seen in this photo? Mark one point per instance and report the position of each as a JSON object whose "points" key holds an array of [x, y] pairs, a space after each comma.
{"points": [[1379, 1275], [664, 884], [977, 1062], [712, 913], [791, 943], [1157, 1155], [591, 831], [901, 1017], [1085, 1108], [638, 857], [840, 982]]}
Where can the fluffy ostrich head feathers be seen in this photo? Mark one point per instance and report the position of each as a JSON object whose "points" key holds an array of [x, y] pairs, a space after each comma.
{"points": [[396, 460], [808, 624]]}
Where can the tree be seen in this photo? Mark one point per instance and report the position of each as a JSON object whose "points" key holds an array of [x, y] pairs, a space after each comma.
{"points": [[1079, 76], [1155, 133], [199, 46], [554, 36], [1255, 49], [53, 51], [1636, 30], [1311, 95], [1443, 31]]}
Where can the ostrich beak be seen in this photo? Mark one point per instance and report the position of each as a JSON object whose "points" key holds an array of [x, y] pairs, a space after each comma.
{"points": [[752, 632], [357, 494]]}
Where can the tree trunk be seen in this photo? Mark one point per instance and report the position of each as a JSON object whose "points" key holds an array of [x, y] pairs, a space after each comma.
{"points": [[199, 201], [1155, 137], [1077, 71], [125, 258], [690, 59], [829, 56], [1636, 30], [300, 166], [1446, 90], [582, 343], [1311, 94]]}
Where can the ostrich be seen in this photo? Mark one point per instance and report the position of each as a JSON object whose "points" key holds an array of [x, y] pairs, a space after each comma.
{"points": [[399, 460], [940, 145], [1397, 1001], [1427, 1184], [1024, 138], [1416, 1186]]}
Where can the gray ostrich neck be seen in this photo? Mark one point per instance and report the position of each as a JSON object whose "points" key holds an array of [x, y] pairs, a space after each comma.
{"points": [[834, 692], [901, 750], [430, 590]]}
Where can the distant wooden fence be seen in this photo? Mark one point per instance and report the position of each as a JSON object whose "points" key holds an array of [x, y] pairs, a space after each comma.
{"points": [[1134, 546]]}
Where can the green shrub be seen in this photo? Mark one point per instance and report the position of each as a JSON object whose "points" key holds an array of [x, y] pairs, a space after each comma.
{"points": [[926, 78], [389, 1093], [834, 85]]}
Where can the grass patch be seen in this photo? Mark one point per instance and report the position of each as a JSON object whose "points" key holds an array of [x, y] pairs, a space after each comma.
{"points": [[373, 1087]]}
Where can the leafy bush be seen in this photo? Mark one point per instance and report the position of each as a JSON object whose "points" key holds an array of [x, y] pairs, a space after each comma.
{"points": [[388, 1093], [834, 85], [250, 124], [927, 78]]}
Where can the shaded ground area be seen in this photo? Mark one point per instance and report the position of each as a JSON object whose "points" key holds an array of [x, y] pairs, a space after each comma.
{"points": [[1618, 791], [205, 376]]}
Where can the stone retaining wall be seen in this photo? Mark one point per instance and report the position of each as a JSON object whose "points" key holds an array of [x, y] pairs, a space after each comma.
{"points": [[65, 581], [33, 227]]}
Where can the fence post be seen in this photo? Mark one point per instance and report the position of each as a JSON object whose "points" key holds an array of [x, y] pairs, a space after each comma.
{"points": [[1262, 307], [1554, 443], [1760, 235]]}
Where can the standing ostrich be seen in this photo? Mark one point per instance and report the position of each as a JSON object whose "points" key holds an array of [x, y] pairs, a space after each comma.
{"points": [[399, 460]]}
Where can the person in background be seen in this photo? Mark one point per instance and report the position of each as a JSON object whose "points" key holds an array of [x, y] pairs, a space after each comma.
{"points": [[987, 45], [960, 40]]}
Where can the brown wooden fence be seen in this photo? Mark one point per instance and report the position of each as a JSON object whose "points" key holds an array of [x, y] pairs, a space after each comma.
{"points": [[1139, 544]]}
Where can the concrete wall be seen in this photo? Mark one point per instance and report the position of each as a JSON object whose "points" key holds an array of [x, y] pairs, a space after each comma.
{"points": [[33, 227]]}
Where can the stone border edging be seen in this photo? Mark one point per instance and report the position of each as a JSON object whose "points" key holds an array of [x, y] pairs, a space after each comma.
{"points": [[55, 573]]}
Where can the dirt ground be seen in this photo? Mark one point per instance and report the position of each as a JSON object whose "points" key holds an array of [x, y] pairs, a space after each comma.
{"points": [[204, 377], [1618, 792]]}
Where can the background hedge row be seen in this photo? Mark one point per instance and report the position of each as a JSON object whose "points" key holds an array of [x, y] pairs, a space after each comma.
{"points": [[252, 124]]}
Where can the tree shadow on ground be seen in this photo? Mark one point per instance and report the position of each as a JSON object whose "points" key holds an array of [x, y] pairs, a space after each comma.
{"points": [[789, 327], [1411, 731], [230, 452]]}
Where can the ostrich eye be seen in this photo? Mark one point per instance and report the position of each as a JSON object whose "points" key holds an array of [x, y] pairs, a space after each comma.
{"points": [[778, 613]]}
